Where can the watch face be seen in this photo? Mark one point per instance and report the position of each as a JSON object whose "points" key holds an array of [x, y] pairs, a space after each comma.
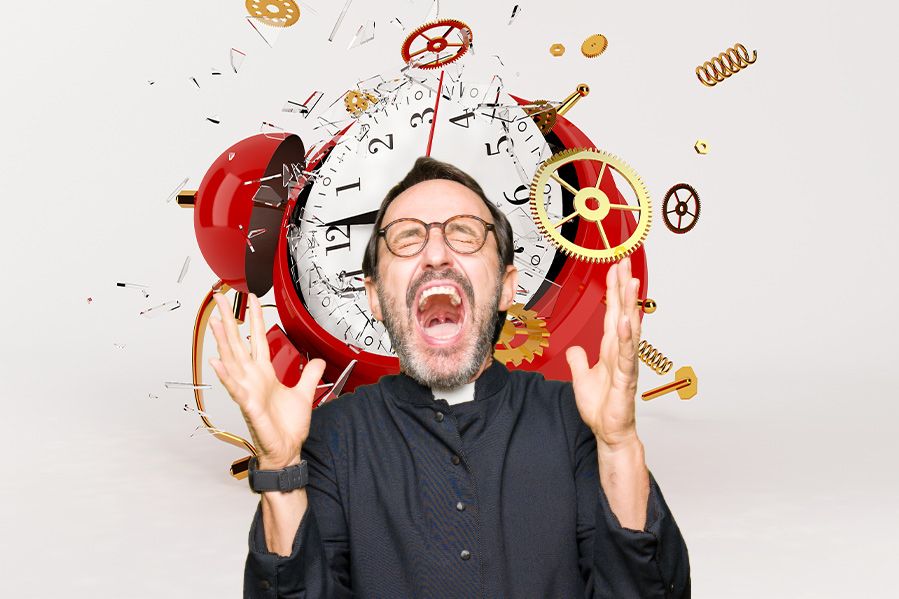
{"points": [[479, 129]]}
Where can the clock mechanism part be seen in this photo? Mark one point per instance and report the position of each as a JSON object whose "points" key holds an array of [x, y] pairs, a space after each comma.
{"points": [[718, 68], [437, 44], [333, 391], [357, 102], [521, 322], [544, 115], [701, 146], [276, 13], [653, 357], [557, 49], [685, 383], [648, 305], [592, 203], [594, 45], [581, 91], [685, 197]]}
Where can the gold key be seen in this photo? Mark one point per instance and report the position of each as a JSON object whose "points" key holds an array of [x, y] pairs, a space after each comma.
{"points": [[685, 383]]}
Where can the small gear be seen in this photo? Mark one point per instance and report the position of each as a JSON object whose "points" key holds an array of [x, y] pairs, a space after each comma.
{"points": [[543, 113], [357, 102], [594, 45], [557, 49], [521, 322], [592, 204], [436, 44], [277, 13], [681, 207]]}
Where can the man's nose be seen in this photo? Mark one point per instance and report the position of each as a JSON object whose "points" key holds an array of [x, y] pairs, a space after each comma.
{"points": [[436, 253]]}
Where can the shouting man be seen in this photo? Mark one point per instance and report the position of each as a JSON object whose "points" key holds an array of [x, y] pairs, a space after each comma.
{"points": [[455, 477]]}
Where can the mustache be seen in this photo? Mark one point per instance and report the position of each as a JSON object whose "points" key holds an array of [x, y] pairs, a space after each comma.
{"points": [[432, 275]]}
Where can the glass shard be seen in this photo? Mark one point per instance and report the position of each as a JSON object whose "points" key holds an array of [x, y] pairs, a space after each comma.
{"points": [[141, 288], [268, 33], [214, 119], [346, 7], [216, 71], [272, 131], [396, 21], [516, 10], [184, 269], [178, 189], [197, 83], [180, 385], [364, 34], [161, 308], [237, 58]]}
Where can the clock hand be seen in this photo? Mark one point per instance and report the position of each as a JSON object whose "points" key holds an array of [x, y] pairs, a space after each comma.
{"points": [[366, 218], [434, 116]]}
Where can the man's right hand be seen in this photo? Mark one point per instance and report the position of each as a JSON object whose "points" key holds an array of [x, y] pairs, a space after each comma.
{"points": [[277, 416]]}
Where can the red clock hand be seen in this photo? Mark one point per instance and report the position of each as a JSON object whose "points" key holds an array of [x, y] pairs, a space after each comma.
{"points": [[434, 116]]}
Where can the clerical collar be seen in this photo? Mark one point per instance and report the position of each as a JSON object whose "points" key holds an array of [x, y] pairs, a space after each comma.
{"points": [[407, 389], [455, 396]]}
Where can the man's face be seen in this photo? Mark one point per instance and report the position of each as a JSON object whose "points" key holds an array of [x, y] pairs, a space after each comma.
{"points": [[439, 306]]}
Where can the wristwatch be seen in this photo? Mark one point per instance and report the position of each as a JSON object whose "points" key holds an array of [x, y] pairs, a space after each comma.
{"points": [[284, 480]]}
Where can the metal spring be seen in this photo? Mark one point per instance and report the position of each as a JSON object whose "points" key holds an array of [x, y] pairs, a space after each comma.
{"points": [[653, 358], [720, 67]]}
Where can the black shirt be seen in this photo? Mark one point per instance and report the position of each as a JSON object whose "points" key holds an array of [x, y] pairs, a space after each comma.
{"points": [[495, 497]]}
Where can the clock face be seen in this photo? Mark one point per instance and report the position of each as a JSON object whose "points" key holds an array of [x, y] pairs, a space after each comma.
{"points": [[479, 129]]}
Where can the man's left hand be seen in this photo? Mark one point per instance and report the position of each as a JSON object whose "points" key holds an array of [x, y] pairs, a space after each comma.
{"points": [[605, 394]]}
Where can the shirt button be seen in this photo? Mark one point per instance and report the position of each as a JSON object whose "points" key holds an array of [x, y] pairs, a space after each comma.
{"points": [[438, 416], [460, 506], [466, 554], [265, 585], [455, 460]]}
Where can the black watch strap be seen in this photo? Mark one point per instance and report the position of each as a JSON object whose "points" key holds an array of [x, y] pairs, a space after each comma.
{"points": [[285, 479]]}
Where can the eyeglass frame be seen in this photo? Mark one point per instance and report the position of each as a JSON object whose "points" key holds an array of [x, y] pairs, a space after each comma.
{"points": [[382, 232]]}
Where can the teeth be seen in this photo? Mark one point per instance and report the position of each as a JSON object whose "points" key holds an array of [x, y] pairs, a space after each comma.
{"points": [[439, 290]]}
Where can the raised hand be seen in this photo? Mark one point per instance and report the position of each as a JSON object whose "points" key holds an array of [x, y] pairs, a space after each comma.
{"points": [[277, 416], [605, 394]]}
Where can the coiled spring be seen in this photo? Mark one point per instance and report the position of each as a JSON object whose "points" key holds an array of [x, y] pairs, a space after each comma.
{"points": [[718, 68], [653, 358]]}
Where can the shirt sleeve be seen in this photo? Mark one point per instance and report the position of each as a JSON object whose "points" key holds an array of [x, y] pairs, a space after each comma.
{"points": [[619, 562], [319, 563]]}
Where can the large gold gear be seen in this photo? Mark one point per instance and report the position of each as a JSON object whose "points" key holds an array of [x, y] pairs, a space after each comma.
{"points": [[532, 326], [277, 13], [594, 195]]}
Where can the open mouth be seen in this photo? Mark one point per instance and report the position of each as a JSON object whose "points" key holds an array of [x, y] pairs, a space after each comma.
{"points": [[440, 311]]}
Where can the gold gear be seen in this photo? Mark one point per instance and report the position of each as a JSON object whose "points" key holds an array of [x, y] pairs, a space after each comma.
{"points": [[532, 326], [544, 114], [557, 49], [550, 230], [357, 102], [594, 45], [277, 13]]}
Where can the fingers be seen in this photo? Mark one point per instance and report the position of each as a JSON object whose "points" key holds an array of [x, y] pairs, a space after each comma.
{"points": [[258, 341], [225, 377], [613, 302], [309, 379], [577, 361], [232, 335], [227, 358], [627, 353]]}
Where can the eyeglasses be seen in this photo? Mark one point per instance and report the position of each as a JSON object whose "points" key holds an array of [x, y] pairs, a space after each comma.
{"points": [[463, 233]]}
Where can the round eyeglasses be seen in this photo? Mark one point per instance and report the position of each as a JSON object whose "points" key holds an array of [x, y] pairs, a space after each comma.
{"points": [[463, 233]]}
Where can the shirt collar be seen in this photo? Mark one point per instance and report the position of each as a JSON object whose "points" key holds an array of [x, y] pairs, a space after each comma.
{"points": [[407, 389]]}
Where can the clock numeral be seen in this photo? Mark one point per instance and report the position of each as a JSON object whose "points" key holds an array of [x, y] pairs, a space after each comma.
{"points": [[535, 259], [466, 116], [521, 196], [421, 117], [357, 185], [504, 138], [331, 235], [373, 147]]}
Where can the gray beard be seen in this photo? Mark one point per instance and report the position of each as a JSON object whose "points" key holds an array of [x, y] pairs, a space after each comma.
{"points": [[455, 370]]}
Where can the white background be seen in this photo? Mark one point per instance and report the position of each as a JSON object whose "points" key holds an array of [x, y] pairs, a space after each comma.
{"points": [[780, 472]]}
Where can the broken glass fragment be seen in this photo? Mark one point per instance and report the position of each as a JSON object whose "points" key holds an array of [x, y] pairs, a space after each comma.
{"points": [[268, 33], [364, 34], [346, 7], [184, 269], [178, 189], [180, 385], [272, 131], [237, 58], [197, 83], [214, 119], [161, 308], [516, 10]]}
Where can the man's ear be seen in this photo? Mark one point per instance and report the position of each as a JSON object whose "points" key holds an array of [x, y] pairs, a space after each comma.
{"points": [[510, 286], [373, 303]]}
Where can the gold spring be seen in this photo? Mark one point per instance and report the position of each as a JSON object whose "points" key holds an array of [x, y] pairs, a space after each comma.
{"points": [[653, 358], [720, 67]]}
